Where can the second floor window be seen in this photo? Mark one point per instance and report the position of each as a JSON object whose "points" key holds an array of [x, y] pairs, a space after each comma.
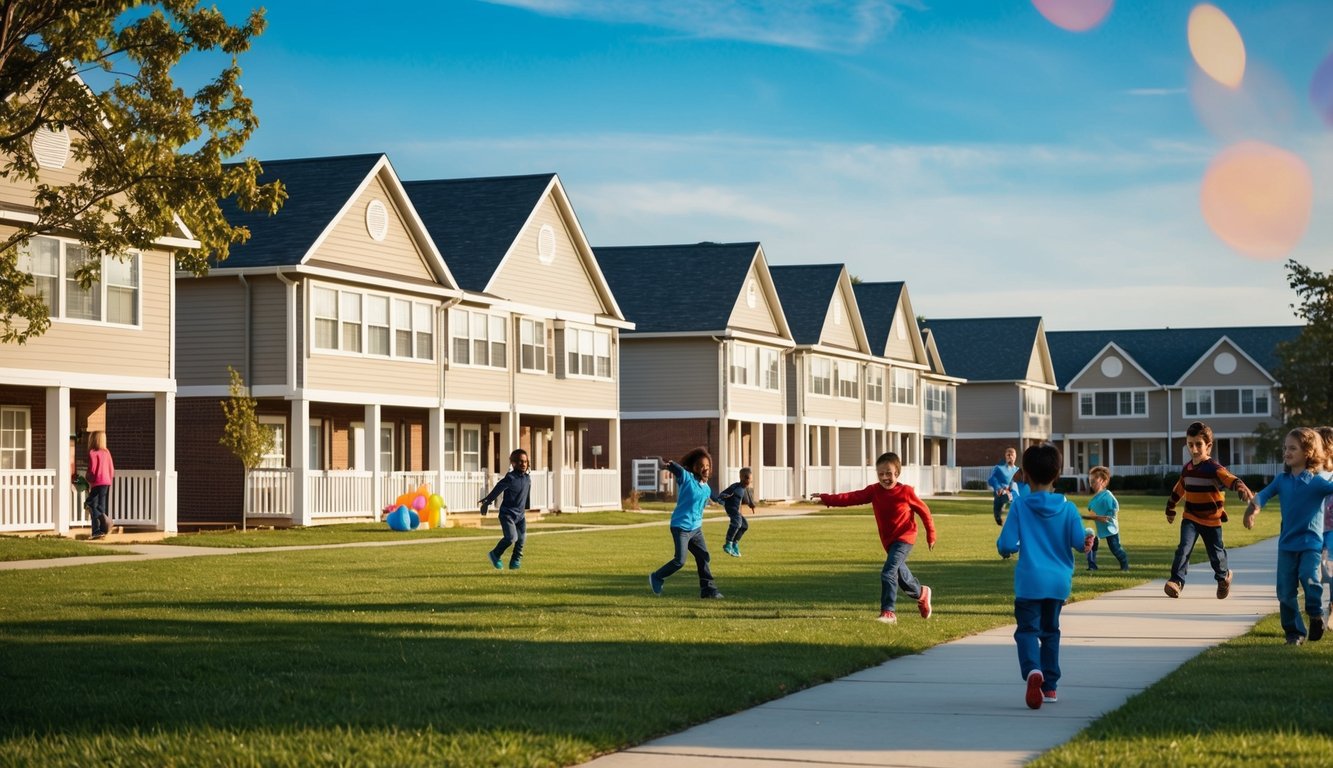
{"points": [[936, 397], [1036, 402], [847, 377], [478, 338], [875, 384], [1112, 404], [532, 345], [753, 366], [904, 387], [587, 353], [743, 358], [54, 266], [821, 376], [361, 323], [768, 368], [1242, 401]]}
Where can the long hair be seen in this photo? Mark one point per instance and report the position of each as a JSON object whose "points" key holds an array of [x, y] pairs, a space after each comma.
{"points": [[1312, 445], [691, 460], [97, 441]]}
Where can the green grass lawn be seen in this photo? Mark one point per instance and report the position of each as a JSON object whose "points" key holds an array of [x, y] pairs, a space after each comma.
{"points": [[46, 547], [424, 655]]}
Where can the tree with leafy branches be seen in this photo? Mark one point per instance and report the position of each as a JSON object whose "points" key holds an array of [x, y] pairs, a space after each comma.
{"points": [[1305, 364], [146, 151], [243, 435]]}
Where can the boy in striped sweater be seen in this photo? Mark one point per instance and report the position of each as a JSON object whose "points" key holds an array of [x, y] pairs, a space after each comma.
{"points": [[1201, 484]]}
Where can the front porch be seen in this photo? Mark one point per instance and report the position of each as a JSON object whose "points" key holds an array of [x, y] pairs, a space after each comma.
{"points": [[28, 501]]}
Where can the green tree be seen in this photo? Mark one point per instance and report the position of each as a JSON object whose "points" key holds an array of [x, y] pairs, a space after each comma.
{"points": [[100, 72], [1305, 364], [243, 435]]}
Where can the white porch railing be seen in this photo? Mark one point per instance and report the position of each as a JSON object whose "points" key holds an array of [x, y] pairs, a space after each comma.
{"points": [[462, 490], [819, 480], [775, 483], [268, 492], [132, 500], [395, 484], [543, 489], [584, 489], [932, 479], [26, 499], [854, 478], [341, 493]]}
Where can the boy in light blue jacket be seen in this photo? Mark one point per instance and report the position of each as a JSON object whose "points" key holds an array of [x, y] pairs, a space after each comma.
{"points": [[1044, 529]]}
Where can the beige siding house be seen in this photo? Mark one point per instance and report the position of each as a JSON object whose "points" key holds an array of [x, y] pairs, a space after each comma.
{"points": [[533, 347], [1126, 396], [1006, 400], [333, 314], [703, 366], [112, 339]]}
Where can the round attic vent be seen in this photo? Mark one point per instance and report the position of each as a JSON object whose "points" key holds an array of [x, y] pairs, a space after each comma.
{"points": [[1225, 363], [751, 294], [51, 148], [377, 220], [1112, 367], [546, 244]]}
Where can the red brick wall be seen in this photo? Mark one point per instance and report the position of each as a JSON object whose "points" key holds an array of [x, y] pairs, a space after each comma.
{"points": [[130, 427], [983, 452], [34, 399], [668, 438], [210, 482]]}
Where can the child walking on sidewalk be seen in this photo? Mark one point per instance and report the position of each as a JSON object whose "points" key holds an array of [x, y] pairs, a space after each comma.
{"points": [[1044, 529], [1201, 484], [893, 504], [733, 497], [1104, 511]]}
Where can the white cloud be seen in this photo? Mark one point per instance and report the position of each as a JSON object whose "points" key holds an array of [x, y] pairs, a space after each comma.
{"points": [[830, 25]]}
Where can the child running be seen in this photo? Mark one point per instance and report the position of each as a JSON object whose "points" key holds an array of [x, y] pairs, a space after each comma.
{"points": [[692, 495], [733, 497], [1044, 529], [1301, 495], [1201, 483], [893, 504], [1104, 511], [1000, 478], [516, 486]]}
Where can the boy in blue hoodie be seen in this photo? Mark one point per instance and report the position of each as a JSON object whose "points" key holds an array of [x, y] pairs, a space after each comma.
{"points": [[1044, 529]]}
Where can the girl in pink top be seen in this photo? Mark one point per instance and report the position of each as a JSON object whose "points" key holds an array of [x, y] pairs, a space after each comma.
{"points": [[100, 473]]}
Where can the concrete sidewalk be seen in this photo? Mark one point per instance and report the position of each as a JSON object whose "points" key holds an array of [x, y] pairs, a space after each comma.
{"points": [[961, 704]]}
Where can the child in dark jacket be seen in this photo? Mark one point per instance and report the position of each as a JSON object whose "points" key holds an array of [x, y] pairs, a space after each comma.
{"points": [[515, 486], [1044, 529], [733, 497], [893, 504]]}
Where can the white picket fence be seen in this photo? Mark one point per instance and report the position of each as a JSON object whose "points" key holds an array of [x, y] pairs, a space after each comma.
{"points": [[27, 500], [775, 483]]}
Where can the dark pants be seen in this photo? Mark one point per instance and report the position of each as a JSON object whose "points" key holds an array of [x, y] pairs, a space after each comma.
{"points": [[739, 525], [1038, 638], [1113, 544], [1191, 532], [693, 542], [895, 575], [96, 504], [513, 530], [998, 507], [1293, 569]]}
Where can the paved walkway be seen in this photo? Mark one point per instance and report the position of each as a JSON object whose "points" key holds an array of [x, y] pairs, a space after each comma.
{"points": [[961, 703]]}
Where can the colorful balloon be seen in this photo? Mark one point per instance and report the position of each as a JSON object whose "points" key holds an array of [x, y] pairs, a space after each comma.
{"points": [[419, 503]]}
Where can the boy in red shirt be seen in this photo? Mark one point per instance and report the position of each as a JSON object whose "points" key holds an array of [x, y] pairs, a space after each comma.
{"points": [[893, 504]]}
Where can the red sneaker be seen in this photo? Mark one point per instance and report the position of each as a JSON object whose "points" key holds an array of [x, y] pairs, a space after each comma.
{"points": [[1049, 696], [923, 603], [1033, 696], [888, 617]]}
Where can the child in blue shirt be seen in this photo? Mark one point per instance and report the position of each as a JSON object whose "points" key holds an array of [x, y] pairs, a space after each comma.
{"points": [[516, 487], [1301, 495], [1000, 478], [1104, 510], [733, 497], [692, 495], [1043, 527]]}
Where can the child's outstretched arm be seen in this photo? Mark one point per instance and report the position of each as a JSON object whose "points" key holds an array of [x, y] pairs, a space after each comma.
{"points": [[849, 499], [1177, 493]]}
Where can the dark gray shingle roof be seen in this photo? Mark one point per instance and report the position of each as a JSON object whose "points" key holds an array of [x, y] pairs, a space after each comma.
{"points": [[473, 222], [677, 288], [986, 348], [877, 302], [317, 188], [805, 291], [1167, 353]]}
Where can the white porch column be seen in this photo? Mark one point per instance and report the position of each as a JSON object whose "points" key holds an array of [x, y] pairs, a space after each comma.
{"points": [[613, 449], [164, 459], [835, 455], [301, 462], [435, 456], [728, 443], [58, 455], [559, 460], [578, 466], [371, 460], [757, 460], [781, 455], [508, 438]]}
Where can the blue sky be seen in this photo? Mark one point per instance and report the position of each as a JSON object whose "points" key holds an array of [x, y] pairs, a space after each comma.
{"points": [[996, 162]]}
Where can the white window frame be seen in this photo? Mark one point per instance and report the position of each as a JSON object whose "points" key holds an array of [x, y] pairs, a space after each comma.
{"points": [[62, 283], [1194, 396], [477, 331], [847, 379], [743, 362], [819, 370], [10, 450], [276, 458], [902, 386], [936, 397], [388, 456], [450, 448], [1147, 448], [875, 383], [405, 320], [316, 458], [770, 369], [1129, 403], [466, 431], [1036, 402], [576, 359], [532, 345]]}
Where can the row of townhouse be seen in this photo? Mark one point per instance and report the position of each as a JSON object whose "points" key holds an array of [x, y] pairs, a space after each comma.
{"points": [[1116, 398]]}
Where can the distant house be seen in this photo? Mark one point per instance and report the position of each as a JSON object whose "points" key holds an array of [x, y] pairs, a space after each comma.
{"points": [[939, 413], [704, 363], [109, 339], [332, 313], [902, 398], [1006, 400], [533, 345], [826, 374], [1126, 396]]}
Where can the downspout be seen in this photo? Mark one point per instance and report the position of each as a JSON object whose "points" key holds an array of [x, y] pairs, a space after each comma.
{"points": [[291, 331], [249, 342], [723, 435]]}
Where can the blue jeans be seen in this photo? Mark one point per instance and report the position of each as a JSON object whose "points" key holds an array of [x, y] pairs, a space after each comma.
{"points": [[1295, 568], [998, 507], [693, 542], [513, 530], [1038, 638], [96, 504], [895, 574], [739, 525], [1191, 532], [1113, 544]]}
